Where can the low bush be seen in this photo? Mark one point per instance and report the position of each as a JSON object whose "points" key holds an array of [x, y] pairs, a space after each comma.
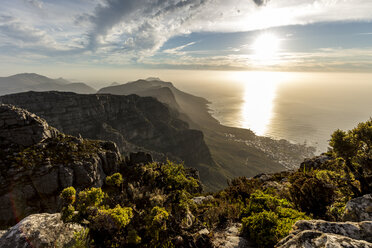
{"points": [[267, 219]]}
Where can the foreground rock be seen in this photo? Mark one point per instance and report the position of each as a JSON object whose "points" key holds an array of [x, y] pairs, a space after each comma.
{"points": [[359, 209], [319, 233], [37, 162], [313, 239], [229, 238], [39, 231]]}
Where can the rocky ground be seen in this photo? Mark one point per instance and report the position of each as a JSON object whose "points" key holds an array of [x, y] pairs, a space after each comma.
{"points": [[356, 233]]}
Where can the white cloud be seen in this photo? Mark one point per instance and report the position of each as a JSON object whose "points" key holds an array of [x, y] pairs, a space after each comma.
{"points": [[123, 31], [143, 27], [36, 3], [178, 50]]}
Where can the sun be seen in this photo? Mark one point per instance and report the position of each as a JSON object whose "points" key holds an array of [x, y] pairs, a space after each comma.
{"points": [[265, 48]]}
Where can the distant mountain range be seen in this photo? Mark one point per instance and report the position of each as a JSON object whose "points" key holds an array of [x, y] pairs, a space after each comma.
{"points": [[236, 151], [229, 152], [35, 82]]}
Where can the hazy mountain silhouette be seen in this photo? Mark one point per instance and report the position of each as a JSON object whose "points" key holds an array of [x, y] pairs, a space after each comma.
{"points": [[32, 81]]}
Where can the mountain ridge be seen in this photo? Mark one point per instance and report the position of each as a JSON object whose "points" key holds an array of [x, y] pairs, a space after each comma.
{"points": [[31, 81], [130, 121]]}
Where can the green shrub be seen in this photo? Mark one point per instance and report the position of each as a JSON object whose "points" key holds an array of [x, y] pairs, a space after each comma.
{"points": [[68, 195], [156, 226], [114, 180], [355, 147], [267, 218], [176, 178], [67, 213], [92, 197], [118, 216], [261, 228], [311, 194], [81, 239]]}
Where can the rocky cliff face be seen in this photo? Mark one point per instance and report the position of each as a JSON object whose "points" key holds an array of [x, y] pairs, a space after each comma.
{"points": [[37, 162], [129, 121]]}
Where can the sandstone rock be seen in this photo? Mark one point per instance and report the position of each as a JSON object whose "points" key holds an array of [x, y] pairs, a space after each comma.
{"points": [[2, 232], [314, 163], [229, 238], [359, 209], [313, 239], [139, 158], [22, 128], [354, 230], [201, 199], [263, 177], [39, 231], [32, 176], [319, 233]]}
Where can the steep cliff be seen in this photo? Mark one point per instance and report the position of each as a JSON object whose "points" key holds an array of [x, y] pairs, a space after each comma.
{"points": [[37, 162], [129, 121]]}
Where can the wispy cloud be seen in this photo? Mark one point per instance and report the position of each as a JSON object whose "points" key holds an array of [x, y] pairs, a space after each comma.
{"points": [[135, 31], [35, 3], [178, 50]]}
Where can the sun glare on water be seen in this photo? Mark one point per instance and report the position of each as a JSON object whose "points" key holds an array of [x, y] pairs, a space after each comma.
{"points": [[259, 96], [265, 48]]}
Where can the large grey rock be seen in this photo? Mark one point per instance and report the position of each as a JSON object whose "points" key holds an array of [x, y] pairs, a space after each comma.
{"points": [[229, 238], [359, 209], [20, 127], [319, 233], [354, 230], [315, 162], [315, 239], [39, 231]]}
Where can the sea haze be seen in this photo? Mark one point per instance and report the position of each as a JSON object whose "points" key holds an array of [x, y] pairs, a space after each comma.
{"points": [[297, 106]]}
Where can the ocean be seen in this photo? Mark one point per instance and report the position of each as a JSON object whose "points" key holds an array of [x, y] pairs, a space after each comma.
{"points": [[296, 106]]}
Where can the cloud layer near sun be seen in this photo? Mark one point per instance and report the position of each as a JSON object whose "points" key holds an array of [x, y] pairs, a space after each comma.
{"points": [[132, 31]]}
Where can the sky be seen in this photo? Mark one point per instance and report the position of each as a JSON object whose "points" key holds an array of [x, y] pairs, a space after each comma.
{"points": [[102, 36]]}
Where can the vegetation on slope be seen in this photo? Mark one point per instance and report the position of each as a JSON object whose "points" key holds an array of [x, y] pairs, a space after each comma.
{"points": [[152, 205]]}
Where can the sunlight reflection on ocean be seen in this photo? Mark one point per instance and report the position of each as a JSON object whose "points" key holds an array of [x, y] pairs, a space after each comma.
{"points": [[297, 106]]}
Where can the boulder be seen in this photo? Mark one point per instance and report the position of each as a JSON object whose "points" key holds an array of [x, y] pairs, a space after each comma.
{"points": [[320, 233], [315, 162], [201, 199], [313, 239], [359, 209], [22, 128], [229, 238], [39, 231]]}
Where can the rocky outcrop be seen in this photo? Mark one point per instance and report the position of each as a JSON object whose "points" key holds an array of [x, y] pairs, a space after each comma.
{"points": [[315, 162], [40, 231], [319, 233], [359, 209], [313, 239], [19, 127], [129, 121], [37, 162], [230, 238]]}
